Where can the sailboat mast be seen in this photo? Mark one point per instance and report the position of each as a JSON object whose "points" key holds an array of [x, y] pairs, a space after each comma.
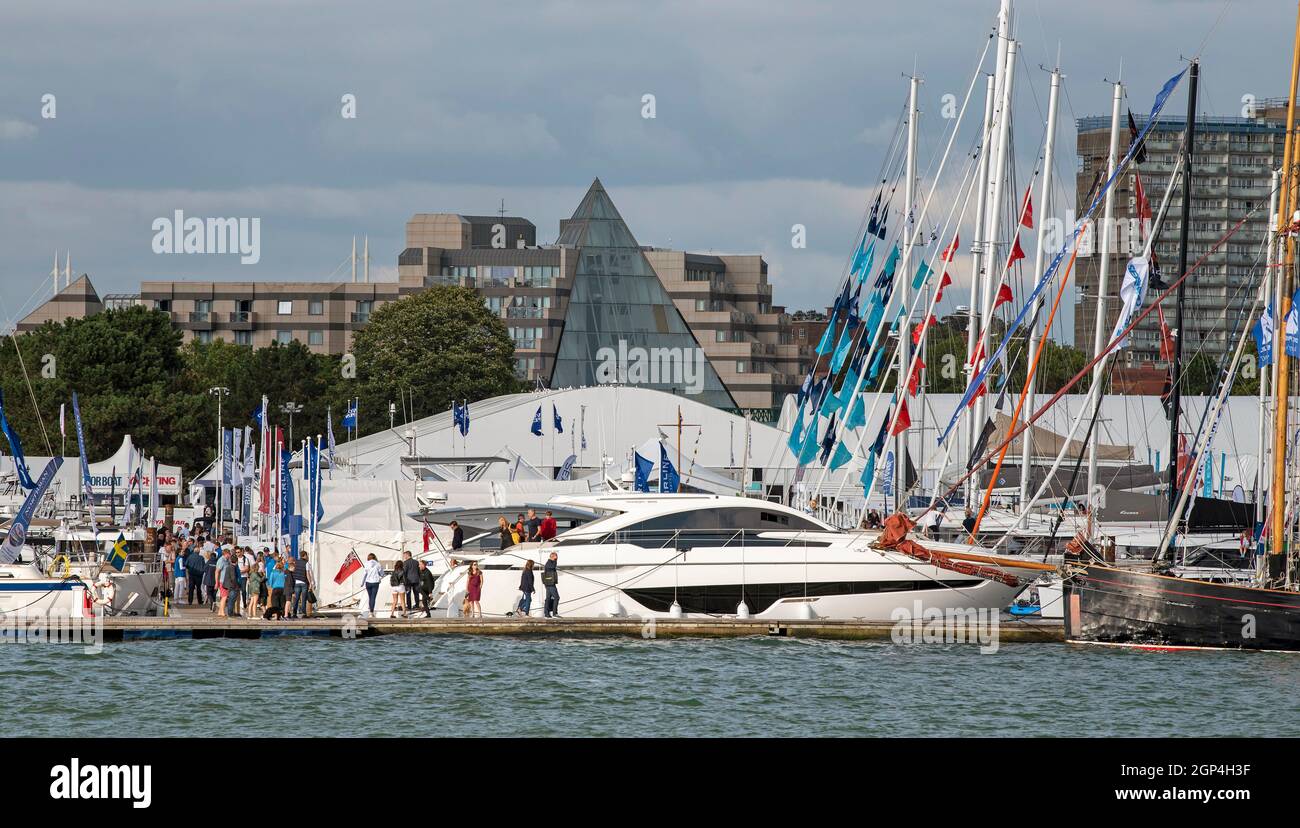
{"points": [[904, 287], [1103, 274], [1185, 222], [1265, 375], [1281, 392], [977, 259], [992, 259], [1040, 257]]}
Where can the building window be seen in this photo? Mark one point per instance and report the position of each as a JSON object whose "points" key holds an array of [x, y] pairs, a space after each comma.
{"points": [[740, 367], [363, 310], [284, 307], [165, 305], [243, 337], [284, 337], [315, 307], [720, 336], [315, 337], [203, 336]]}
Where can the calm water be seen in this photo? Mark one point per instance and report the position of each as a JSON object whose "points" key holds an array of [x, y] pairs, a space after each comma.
{"points": [[608, 687]]}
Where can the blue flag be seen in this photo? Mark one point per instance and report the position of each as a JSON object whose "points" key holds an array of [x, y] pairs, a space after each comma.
{"points": [[1263, 333], [117, 554], [286, 493], [808, 451], [537, 422], [868, 474], [887, 483], [257, 416], [841, 456], [643, 466], [227, 455], [13, 543], [796, 433], [556, 422], [329, 435], [464, 419], [1292, 329], [350, 418], [15, 448], [81, 449], [669, 480]]}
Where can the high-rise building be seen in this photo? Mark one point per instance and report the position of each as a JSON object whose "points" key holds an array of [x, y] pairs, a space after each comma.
{"points": [[1233, 161]]}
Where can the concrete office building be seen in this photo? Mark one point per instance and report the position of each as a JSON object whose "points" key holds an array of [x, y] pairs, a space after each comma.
{"points": [[562, 303]]}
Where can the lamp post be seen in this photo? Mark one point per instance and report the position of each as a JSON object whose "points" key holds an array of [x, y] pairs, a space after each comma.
{"points": [[291, 408], [220, 391]]}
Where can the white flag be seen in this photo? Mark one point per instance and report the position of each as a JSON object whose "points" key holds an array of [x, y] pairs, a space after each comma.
{"points": [[1131, 293]]}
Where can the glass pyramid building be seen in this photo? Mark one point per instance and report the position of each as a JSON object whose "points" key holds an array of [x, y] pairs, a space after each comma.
{"points": [[621, 324]]}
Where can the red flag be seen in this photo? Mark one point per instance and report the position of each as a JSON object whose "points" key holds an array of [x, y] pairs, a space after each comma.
{"points": [[429, 537], [904, 419], [919, 330], [1004, 296], [1017, 253], [1027, 212], [943, 283], [979, 353], [951, 251], [979, 392], [1166, 337], [350, 564], [915, 379]]}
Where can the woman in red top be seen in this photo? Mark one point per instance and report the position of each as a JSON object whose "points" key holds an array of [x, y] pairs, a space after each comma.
{"points": [[474, 590]]}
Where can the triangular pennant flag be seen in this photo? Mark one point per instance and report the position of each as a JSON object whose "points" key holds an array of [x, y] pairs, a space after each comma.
{"points": [[922, 273], [915, 379], [904, 419], [1027, 212], [919, 329], [868, 474], [951, 250], [841, 456], [796, 433], [857, 414], [828, 441], [943, 283], [1017, 253], [1004, 296], [980, 444], [878, 445]]}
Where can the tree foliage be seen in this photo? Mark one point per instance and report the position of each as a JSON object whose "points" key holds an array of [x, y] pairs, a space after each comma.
{"points": [[133, 376], [437, 346]]}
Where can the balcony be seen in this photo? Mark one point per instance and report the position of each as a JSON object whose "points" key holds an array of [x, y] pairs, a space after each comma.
{"points": [[242, 320], [201, 320], [360, 317], [525, 313]]}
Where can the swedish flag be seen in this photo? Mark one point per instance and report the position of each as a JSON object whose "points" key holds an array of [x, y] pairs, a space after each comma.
{"points": [[117, 556]]}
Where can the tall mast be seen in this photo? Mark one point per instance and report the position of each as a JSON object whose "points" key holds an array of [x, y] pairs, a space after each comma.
{"points": [[1281, 392], [354, 260], [1103, 274], [1185, 222], [992, 259], [1040, 256], [1265, 387], [904, 287], [977, 258]]}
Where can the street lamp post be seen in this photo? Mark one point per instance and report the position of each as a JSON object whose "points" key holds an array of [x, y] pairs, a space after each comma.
{"points": [[291, 408], [220, 391]]}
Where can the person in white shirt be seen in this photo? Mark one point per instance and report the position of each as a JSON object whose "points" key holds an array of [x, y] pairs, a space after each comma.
{"points": [[373, 578]]}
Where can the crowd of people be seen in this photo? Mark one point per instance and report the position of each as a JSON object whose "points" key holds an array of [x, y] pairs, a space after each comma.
{"points": [[237, 581]]}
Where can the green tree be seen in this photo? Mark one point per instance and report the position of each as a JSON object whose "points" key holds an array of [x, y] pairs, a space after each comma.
{"points": [[435, 346]]}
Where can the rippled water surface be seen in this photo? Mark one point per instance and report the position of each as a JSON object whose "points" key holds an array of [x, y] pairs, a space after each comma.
{"points": [[469, 686]]}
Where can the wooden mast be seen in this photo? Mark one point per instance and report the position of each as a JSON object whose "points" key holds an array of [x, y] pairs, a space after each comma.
{"points": [[1281, 393]]}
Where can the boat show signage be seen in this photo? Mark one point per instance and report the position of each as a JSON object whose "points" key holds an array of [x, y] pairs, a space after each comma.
{"points": [[13, 544]]}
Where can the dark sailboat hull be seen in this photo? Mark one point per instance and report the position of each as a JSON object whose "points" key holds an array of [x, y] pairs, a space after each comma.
{"points": [[1104, 605]]}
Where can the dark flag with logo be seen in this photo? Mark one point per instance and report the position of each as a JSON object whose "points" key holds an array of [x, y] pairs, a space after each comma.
{"points": [[981, 444]]}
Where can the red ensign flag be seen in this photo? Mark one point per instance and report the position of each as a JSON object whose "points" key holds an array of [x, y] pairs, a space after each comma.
{"points": [[350, 564]]}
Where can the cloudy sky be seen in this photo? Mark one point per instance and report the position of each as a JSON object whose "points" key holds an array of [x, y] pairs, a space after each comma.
{"points": [[767, 115]]}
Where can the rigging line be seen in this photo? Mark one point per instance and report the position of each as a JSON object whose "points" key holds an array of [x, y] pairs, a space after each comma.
{"points": [[1087, 368], [1024, 392], [32, 393], [1201, 49], [929, 198]]}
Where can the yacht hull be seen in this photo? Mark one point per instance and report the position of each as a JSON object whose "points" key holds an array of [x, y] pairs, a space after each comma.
{"points": [[1104, 605]]}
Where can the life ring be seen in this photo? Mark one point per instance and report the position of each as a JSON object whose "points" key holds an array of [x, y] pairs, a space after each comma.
{"points": [[54, 565]]}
